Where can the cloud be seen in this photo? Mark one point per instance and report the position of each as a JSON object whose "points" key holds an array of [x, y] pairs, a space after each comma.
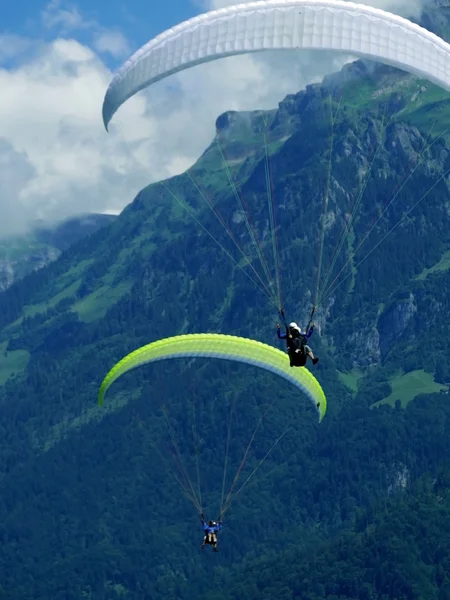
{"points": [[55, 158], [111, 42], [66, 18], [15, 172]]}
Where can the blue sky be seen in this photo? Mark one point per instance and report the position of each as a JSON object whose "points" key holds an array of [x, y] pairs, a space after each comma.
{"points": [[137, 20], [141, 18]]}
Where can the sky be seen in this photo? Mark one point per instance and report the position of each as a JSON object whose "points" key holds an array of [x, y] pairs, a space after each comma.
{"points": [[57, 58]]}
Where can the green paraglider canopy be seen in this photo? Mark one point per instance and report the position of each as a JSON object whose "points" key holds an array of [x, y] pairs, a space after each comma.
{"points": [[228, 347]]}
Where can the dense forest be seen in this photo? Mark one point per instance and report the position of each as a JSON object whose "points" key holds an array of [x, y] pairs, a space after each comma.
{"points": [[103, 502]]}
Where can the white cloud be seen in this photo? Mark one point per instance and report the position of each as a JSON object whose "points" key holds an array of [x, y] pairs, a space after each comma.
{"points": [[65, 18], [56, 159], [111, 42], [16, 171]]}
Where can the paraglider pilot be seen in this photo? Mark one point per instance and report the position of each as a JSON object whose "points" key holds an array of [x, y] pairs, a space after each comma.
{"points": [[211, 529], [297, 347]]}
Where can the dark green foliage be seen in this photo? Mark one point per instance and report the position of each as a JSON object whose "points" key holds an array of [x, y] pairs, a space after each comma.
{"points": [[356, 507], [400, 552]]}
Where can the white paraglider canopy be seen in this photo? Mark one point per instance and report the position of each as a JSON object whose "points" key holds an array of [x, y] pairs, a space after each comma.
{"points": [[283, 25]]}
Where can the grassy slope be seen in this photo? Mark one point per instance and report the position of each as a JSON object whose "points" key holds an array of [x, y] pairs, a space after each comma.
{"points": [[405, 387], [11, 363], [350, 380], [443, 264]]}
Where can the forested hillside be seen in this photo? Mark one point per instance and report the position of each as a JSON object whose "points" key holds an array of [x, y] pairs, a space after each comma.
{"points": [[94, 502]]}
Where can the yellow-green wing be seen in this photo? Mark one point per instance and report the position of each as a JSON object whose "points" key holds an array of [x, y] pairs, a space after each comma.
{"points": [[228, 347]]}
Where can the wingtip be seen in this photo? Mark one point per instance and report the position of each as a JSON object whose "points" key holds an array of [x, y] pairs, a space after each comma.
{"points": [[105, 116]]}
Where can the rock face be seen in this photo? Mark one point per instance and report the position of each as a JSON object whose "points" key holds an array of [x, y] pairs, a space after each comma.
{"points": [[398, 478], [6, 274], [365, 347], [28, 260], [394, 321]]}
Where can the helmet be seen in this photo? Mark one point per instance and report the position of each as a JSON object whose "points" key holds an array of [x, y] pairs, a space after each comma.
{"points": [[293, 325], [211, 523]]}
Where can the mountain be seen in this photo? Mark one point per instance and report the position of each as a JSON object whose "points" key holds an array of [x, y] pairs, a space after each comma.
{"points": [[96, 503], [23, 254]]}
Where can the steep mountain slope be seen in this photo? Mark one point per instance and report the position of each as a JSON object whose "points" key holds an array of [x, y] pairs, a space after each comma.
{"points": [[87, 509]]}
